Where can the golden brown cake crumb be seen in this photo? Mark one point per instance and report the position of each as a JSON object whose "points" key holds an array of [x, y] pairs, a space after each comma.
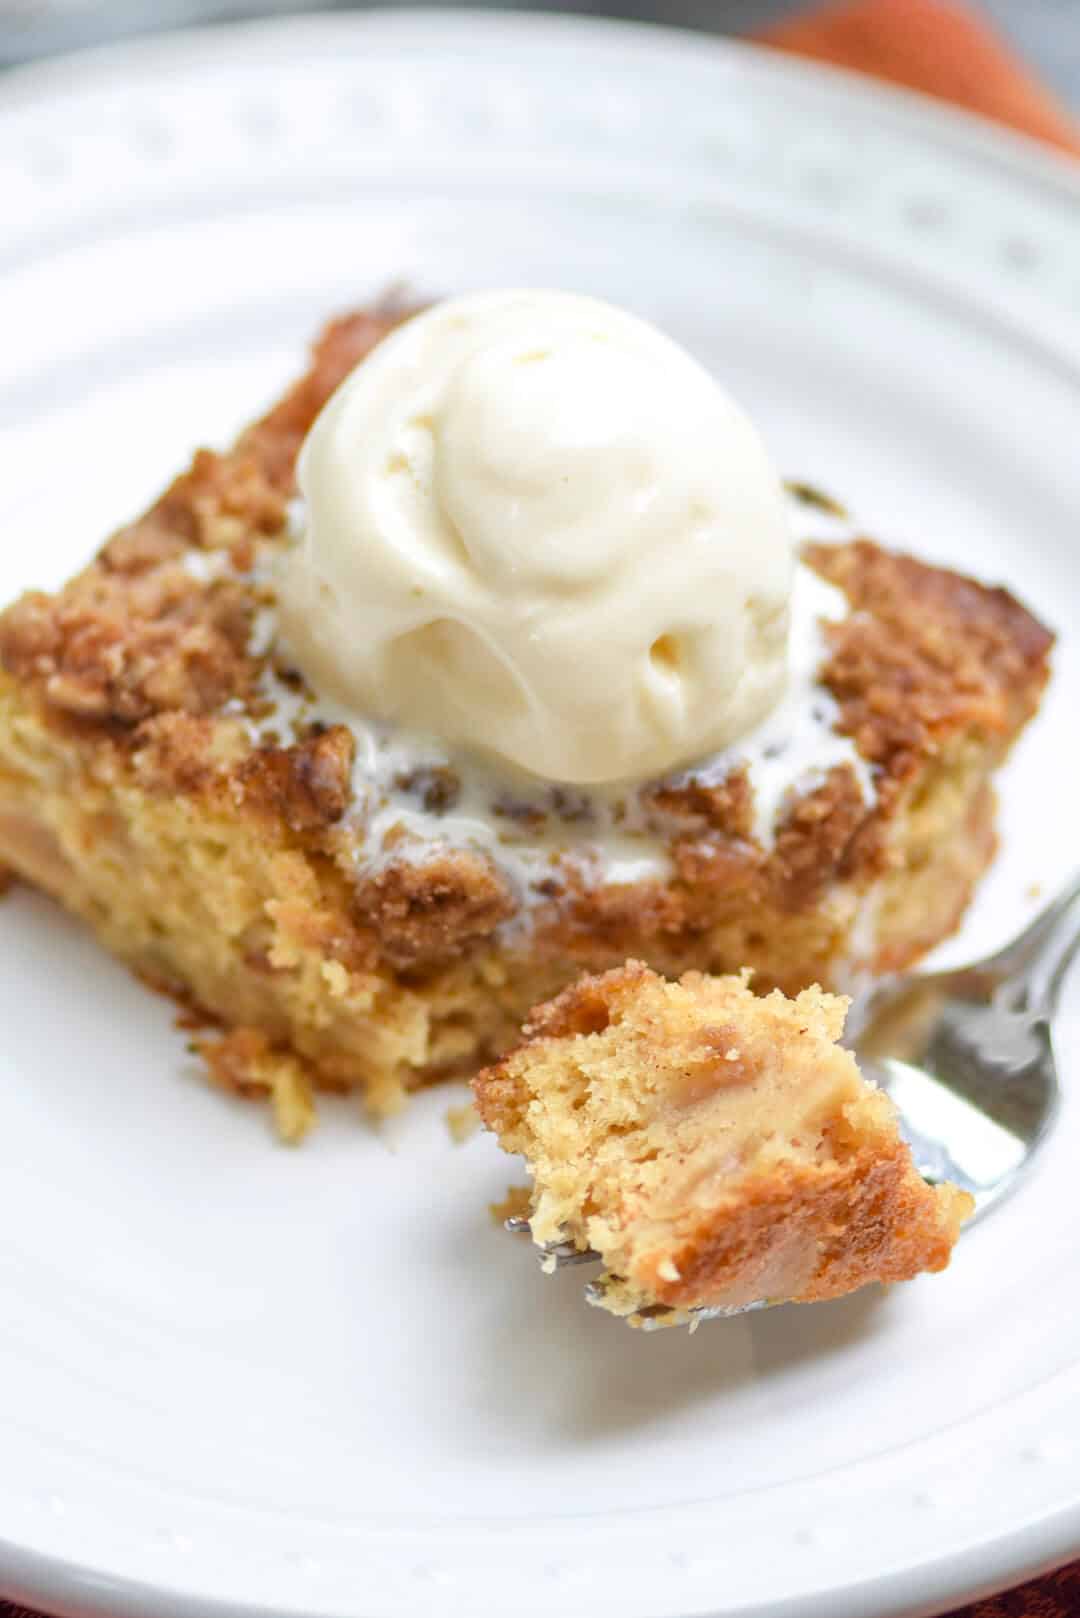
{"points": [[244, 1063], [712, 1147], [462, 1122], [515, 1205]]}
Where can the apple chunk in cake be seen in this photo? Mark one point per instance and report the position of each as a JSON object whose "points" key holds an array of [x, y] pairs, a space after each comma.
{"points": [[356, 910], [713, 1148]]}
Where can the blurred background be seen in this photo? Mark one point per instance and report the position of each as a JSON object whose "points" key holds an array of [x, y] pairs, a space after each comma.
{"points": [[1047, 32]]}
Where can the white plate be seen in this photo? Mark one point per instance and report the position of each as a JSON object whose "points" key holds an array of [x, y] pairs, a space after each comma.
{"points": [[240, 1380]]}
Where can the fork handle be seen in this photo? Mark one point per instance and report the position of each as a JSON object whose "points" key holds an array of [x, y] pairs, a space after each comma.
{"points": [[1033, 967]]}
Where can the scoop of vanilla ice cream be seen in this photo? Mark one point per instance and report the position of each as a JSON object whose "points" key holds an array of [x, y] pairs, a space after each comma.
{"points": [[536, 527]]}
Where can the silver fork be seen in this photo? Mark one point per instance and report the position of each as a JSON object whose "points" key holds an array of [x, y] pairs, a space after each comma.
{"points": [[967, 1056]]}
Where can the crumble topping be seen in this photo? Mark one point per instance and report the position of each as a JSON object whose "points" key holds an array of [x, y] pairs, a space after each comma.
{"points": [[923, 648], [165, 648], [435, 908], [118, 646], [308, 785], [138, 632]]}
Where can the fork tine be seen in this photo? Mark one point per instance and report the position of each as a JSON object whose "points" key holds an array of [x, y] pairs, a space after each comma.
{"points": [[561, 1255], [554, 1255], [658, 1315]]}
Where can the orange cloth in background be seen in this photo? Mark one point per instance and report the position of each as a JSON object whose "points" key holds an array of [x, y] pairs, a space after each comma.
{"points": [[939, 46]]}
